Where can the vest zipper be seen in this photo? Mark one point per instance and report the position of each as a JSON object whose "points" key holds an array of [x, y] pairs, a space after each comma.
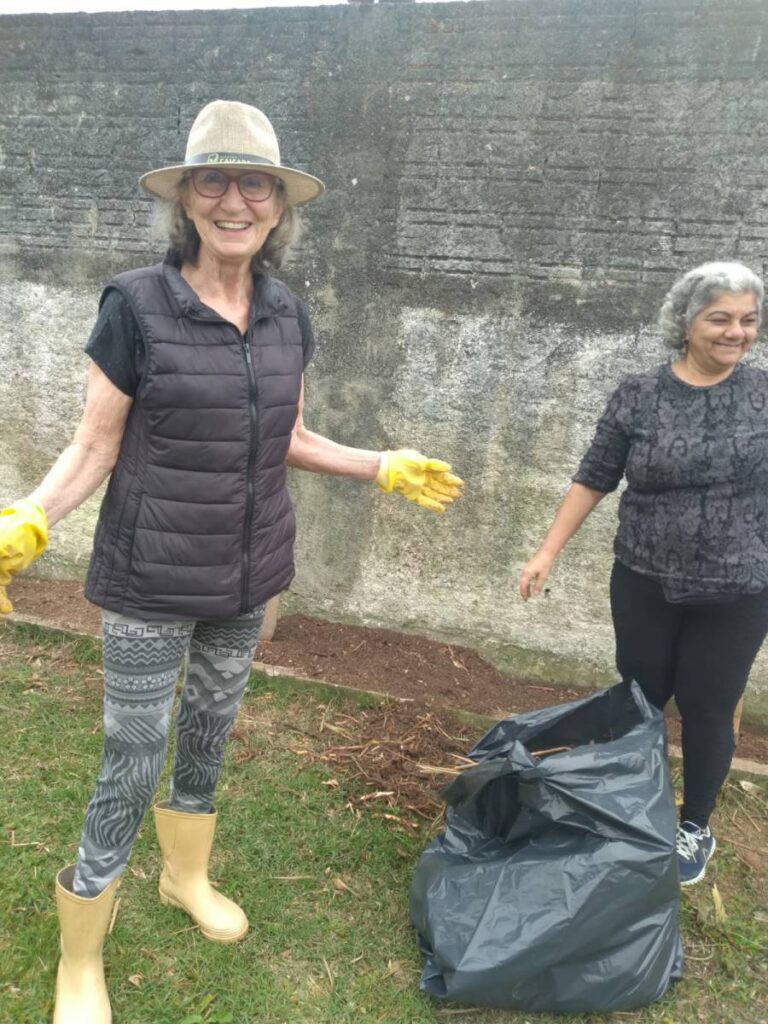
{"points": [[253, 397]]}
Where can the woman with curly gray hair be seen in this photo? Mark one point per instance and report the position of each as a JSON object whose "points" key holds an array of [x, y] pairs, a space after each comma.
{"points": [[689, 593]]}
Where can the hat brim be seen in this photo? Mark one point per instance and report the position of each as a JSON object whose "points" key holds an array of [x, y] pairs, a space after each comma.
{"points": [[299, 187]]}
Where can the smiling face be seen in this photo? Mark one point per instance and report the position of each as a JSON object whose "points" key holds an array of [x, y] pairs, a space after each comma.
{"points": [[722, 332], [232, 229]]}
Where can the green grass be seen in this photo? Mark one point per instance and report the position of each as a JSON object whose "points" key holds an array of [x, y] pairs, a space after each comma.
{"points": [[324, 886]]}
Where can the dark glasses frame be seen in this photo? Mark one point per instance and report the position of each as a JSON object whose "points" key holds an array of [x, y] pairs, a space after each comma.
{"points": [[198, 172]]}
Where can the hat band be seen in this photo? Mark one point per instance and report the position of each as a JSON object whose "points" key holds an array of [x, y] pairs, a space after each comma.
{"points": [[229, 158]]}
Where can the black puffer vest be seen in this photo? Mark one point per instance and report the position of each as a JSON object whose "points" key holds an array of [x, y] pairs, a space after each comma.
{"points": [[196, 521]]}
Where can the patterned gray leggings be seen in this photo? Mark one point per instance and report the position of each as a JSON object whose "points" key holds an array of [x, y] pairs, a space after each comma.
{"points": [[142, 662]]}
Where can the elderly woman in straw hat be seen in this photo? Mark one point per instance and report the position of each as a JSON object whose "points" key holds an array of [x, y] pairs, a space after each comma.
{"points": [[195, 407]]}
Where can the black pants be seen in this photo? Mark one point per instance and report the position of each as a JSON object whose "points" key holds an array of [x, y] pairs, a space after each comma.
{"points": [[701, 655]]}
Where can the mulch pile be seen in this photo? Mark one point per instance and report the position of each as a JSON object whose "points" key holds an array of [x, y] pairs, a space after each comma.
{"points": [[397, 756]]}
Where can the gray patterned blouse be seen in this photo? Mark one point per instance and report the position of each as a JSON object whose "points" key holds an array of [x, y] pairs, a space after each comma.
{"points": [[694, 514]]}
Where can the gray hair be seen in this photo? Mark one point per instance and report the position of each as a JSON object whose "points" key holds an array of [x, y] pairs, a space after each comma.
{"points": [[698, 288], [172, 225]]}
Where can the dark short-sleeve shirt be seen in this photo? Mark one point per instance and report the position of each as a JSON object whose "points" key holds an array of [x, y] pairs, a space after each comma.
{"points": [[694, 514], [116, 344]]}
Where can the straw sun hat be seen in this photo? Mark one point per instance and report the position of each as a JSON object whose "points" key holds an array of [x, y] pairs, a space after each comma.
{"points": [[228, 134]]}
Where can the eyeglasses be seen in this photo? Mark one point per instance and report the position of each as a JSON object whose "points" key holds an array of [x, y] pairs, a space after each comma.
{"points": [[253, 185]]}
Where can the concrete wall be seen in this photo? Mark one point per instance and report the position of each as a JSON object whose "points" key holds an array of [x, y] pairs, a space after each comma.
{"points": [[512, 187]]}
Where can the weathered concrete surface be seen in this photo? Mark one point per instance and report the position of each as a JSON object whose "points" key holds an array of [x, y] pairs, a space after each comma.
{"points": [[512, 188]]}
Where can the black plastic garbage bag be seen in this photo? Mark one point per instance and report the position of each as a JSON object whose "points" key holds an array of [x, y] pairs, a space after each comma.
{"points": [[555, 886]]}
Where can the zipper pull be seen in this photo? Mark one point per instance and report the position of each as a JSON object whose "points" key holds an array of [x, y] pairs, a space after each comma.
{"points": [[247, 350]]}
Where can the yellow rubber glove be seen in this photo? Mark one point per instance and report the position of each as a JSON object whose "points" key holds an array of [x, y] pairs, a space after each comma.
{"points": [[428, 482], [23, 536]]}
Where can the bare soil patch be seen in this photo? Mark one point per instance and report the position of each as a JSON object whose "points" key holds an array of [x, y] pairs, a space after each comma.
{"points": [[426, 673]]}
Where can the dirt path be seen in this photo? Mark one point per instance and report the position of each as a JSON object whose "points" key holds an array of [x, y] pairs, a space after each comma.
{"points": [[431, 674]]}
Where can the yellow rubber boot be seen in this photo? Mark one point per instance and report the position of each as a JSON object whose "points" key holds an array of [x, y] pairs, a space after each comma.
{"points": [[186, 841], [81, 993]]}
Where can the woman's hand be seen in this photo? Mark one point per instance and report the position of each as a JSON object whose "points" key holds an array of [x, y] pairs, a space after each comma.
{"points": [[428, 482], [574, 509], [535, 573], [23, 536]]}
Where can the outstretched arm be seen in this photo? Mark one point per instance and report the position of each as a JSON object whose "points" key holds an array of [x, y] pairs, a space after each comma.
{"points": [[92, 454], [428, 482], [574, 509], [319, 454], [75, 475]]}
